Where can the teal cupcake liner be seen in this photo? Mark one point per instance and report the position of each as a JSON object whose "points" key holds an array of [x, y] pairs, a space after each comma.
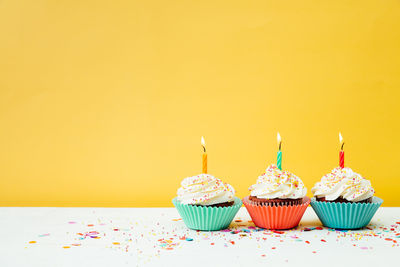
{"points": [[346, 215], [207, 218]]}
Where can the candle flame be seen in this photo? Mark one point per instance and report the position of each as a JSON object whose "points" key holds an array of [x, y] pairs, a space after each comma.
{"points": [[341, 140], [278, 137], [203, 143]]}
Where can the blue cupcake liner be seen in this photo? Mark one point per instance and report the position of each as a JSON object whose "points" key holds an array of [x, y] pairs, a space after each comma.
{"points": [[207, 218], [345, 215]]}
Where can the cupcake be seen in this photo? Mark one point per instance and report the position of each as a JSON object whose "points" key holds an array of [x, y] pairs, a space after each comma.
{"points": [[344, 199], [206, 203], [277, 200]]}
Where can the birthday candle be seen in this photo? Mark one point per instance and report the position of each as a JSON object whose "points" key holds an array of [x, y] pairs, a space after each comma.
{"points": [[341, 153], [279, 157], [203, 144]]}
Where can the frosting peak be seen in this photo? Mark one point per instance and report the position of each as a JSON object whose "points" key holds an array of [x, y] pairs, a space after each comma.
{"points": [[343, 182], [205, 189], [275, 183]]}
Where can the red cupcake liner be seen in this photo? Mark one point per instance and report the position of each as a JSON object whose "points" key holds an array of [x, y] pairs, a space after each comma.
{"points": [[276, 217]]}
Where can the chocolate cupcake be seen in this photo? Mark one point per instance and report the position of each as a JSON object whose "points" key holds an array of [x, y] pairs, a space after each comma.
{"points": [[206, 203], [342, 185], [344, 199], [277, 188], [277, 200], [206, 190]]}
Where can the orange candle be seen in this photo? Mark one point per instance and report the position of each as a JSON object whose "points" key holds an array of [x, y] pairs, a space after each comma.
{"points": [[203, 143]]}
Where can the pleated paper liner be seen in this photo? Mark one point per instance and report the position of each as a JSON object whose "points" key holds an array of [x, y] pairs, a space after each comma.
{"points": [[346, 215], [276, 217], [207, 218]]}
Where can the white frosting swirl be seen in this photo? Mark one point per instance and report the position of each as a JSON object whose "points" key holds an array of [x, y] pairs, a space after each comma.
{"points": [[343, 182], [205, 189], [275, 183]]}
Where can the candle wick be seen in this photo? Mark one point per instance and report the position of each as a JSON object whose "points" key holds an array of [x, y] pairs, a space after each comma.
{"points": [[342, 146], [204, 148], [280, 143]]}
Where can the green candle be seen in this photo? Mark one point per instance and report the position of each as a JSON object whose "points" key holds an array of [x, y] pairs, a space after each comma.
{"points": [[279, 157]]}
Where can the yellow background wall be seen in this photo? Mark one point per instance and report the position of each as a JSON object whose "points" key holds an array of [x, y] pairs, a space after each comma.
{"points": [[103, 103]]}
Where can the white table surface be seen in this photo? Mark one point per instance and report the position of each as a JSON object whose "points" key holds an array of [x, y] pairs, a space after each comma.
{"points": [[137, 237]]}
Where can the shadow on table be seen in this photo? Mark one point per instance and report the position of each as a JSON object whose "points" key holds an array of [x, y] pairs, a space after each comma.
{"points": [[309, 223], [305, 225]]}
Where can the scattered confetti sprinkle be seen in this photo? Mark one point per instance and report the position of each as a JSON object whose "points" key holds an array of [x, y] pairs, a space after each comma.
{"points": [[128, 237], [43, 235]]}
